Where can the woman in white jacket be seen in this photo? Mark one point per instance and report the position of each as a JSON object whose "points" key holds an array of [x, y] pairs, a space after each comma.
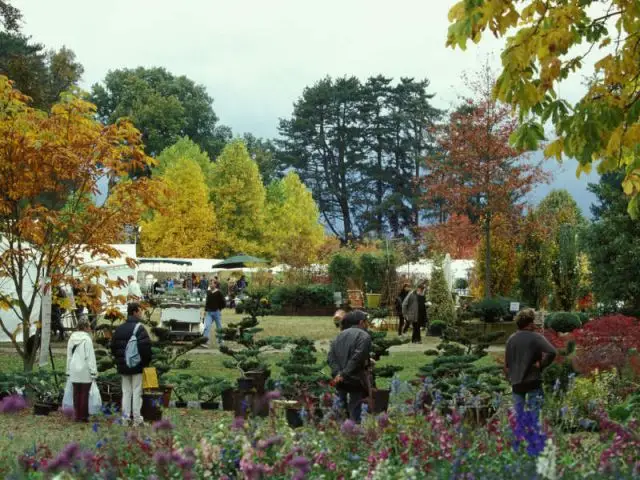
{"points": [[81, 369]]}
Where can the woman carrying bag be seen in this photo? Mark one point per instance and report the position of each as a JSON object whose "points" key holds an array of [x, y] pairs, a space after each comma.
{"points": [[81, 372]]}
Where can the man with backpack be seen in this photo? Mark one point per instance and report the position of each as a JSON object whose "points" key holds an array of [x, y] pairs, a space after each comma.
{"points": [[131, 349]]}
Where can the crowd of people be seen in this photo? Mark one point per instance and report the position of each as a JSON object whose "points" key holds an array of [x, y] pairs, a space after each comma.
{"points": [[527, 354]]}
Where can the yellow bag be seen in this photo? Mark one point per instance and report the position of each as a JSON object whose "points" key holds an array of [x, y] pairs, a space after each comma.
{"points": [[149, 378]]}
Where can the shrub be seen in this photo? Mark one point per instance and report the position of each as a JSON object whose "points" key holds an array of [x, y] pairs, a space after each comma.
{"points": [[437, 328], [461, 284], [490, 310], [343, 267], [302, 296], [442, 306], [563, 322], [584, 317]]}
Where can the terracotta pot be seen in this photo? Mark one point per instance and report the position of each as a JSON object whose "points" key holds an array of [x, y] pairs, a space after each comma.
{"points": [[166, 394]]}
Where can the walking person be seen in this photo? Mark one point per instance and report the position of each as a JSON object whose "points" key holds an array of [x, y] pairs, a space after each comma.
{"points": [[81, 369], [399, 300], [349, 362], [134, 292], [57, 312], [131, 375], [527, 354], [213, 307], [414, 310]]}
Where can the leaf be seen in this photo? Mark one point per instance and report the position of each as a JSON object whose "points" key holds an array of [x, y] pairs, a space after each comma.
{"points": [[555, 149]]}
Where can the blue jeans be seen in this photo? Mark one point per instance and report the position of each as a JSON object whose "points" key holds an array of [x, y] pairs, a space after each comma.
{"points": [[208, 320], [532, 400]]}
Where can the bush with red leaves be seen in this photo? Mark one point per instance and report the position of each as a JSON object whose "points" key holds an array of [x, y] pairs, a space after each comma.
{"points": [[604, 343]]}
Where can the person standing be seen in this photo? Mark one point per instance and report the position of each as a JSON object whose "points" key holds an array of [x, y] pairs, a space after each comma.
{"points": [[242, 285], [399, 300], [81, 369], [414, 310], [57, 312], [131, 376], [527, 354], [134, 293], [349, 361], [213, 307]]}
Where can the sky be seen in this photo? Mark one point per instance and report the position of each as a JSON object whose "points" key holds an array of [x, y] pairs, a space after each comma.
{"points": [[255, 57]]}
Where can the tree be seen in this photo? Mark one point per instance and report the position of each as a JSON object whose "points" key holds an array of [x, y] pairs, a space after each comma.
{"points": [[185, 148], [442, 307], [264, 153], [163, 106], [612, 243], [534, 261], [186, 224], [477, 173], [10, 16], [41, 75], [51, 164], [457, 236], [357, 146], [294, 231], [504, 260], [559, 208], [239, 202], [603, 126]]}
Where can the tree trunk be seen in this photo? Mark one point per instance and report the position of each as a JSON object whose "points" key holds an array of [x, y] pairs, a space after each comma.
{"points": [[487, 258]]}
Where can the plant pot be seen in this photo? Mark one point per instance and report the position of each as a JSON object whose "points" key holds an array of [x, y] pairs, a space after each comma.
{"points": [[245, 384], [166, 394], [227, 400], [41, 409], [210, 405], [380, 400], [181, 404], [259, 379], [152, 406], [293, 417]]}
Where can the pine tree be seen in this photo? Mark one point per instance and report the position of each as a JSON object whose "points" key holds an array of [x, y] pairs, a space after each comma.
{"points": [[534, 261], [185, 227], [295, 234], [442, 306], [239, 202]]}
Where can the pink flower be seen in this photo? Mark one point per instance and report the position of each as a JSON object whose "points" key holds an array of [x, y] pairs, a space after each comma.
{"points": [[238, 423], [12, 404], [162, 425]]}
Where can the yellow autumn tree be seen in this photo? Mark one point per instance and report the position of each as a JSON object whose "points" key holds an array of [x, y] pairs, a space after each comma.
{"points": [[294, 232], [185, 226], [239, 202], [547, 41], [504, 261]]}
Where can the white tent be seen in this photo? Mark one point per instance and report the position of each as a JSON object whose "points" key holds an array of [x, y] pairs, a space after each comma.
{"points": [[191, 265], [423, 268]]}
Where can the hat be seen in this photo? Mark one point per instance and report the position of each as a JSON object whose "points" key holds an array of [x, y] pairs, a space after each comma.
{"points": [[354, 318]]}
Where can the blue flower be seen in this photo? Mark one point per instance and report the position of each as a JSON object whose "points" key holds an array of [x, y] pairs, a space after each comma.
{"points": [[99, 444], [395, 385], [95, 427]]}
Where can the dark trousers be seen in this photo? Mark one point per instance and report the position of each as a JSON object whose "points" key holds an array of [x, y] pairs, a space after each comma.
{"points": [[400, 324], [81, 401], [415, 336], [352, 398]]}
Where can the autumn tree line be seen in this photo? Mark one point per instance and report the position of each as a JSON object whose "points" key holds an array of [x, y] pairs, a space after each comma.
{"points": [[357, 159]]}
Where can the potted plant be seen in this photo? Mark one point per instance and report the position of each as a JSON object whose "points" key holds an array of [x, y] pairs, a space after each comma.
{"points": [[183, 384], [42, 386], [209, 389], [380, 348]]}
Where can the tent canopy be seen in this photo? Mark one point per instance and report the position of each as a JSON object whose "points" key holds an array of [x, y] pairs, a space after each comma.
{"points": [[239, 261], [176, 265]]}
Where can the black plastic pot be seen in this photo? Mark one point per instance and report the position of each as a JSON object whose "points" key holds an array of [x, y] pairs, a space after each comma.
{"points": [[293, 417], [210, 405], [227, 400], [151, 407], [380, 400], [181, 404], [245, 384], [42, 409]]}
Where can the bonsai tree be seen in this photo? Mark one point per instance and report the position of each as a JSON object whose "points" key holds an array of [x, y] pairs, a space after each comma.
{"points": [[247, 359], [301, 374], [380, 348], [210, 388]]}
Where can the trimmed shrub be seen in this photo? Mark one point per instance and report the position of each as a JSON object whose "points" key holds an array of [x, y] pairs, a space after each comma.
{"points": [[302, 296], [584, 317], [490, 310], [442, 306], [563, 322], [437, 328], [461, 284], [342, 267]]}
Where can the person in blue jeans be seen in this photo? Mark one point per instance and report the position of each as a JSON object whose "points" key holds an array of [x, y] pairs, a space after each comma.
{"points": [[527, 354], [213, 307]]}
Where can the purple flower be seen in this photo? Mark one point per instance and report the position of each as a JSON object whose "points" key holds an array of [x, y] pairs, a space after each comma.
{"points": [[349, 427], [162, 459], [383, 420], [273, 395], [301, 463], [238, 423], [162, 425], [67, 412], [12, 404]]}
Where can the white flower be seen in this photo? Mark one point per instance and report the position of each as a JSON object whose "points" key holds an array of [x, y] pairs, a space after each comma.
{"points": [[546, 463]]}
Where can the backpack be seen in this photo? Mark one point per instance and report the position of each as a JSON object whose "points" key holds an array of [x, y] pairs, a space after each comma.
{"points": [[131, 354]]}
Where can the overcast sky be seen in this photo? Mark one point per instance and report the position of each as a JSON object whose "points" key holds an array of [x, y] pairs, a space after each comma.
{"points": [[256, 56]]}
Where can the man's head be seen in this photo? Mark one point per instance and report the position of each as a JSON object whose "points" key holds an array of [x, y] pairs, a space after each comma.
{"points": [[421, 287], [130, 278], [338, 317], [134, 310], [356, 318], [406, 287], [525, 319]]}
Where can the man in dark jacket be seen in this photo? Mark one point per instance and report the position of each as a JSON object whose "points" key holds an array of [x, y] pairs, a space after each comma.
{"points": [[213, 310], [527, 353], [131, 376], [349, 362]]}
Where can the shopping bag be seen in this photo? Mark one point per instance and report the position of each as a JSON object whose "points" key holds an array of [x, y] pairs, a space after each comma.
{"points": [[67, 399], [95, 400], [149, 378]]}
